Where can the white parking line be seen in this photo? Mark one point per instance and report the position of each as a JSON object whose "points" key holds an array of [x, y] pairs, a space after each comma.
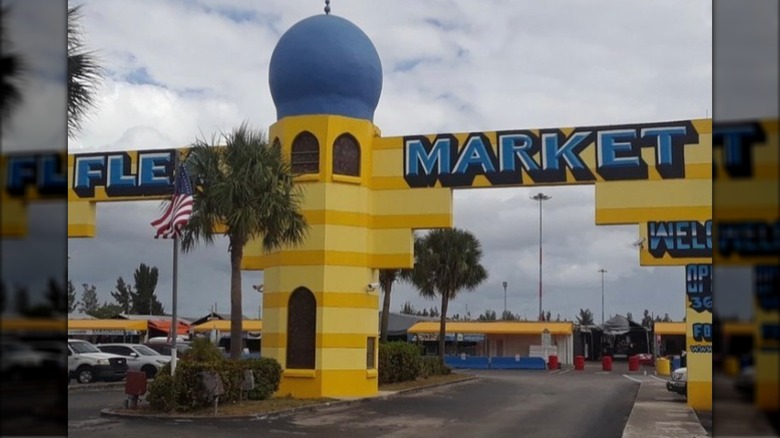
{"points": [[631, 378], [658, 378], [555, 372], [566, 371]]}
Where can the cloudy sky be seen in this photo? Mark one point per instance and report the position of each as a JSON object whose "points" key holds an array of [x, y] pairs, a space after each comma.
{"points": [[178, 70]]}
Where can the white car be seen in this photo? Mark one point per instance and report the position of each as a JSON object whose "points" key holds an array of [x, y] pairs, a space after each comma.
{"points": [[678, 382], [86, 363], [139, 357], [19, 361]]}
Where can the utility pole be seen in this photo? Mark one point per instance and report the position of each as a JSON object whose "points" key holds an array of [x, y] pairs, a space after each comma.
{"points": [[603, 271], [505, 284], [540, 197]]}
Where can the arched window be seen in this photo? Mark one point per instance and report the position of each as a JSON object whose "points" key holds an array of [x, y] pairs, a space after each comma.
{"points": [[346, 156], [276, 143], [301, 329], [305, 154]]}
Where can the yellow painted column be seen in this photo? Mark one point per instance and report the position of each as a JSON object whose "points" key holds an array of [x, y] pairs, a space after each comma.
{"points": [[767, 343], [698, 327], [746, 199]]}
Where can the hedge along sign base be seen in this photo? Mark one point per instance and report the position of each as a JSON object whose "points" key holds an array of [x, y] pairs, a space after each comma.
{"points": [[365, 194]]}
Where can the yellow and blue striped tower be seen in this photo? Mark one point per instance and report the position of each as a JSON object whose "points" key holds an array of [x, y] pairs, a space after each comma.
{"points": [[320, 310]]}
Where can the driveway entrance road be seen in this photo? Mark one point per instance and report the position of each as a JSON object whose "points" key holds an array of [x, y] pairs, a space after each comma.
{"points": [[499, 404]]}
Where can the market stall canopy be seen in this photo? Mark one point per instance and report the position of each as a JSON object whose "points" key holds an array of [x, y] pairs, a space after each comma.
{"points": [[669, 328], [248, 325], [8, 324], [164, 325], [620, 325], [106, 324], [738, 328], [497, 328], [398, 324], [80, 316]]}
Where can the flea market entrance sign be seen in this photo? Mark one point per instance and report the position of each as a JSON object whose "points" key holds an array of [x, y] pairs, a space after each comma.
{"points": [[364, 194]]}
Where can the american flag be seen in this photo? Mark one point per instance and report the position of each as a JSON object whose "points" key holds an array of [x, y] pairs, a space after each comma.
{"points": [[179, 209]]}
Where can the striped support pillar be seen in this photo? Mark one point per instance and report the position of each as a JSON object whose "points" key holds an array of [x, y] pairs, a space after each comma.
{"points": [[321, 318]]}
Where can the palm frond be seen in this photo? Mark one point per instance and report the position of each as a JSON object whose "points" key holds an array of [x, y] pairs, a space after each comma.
{"points": [[246, 186], [84, 74], [12, 67]]}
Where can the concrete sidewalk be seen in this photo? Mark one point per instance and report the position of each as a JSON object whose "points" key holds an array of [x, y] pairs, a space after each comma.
{"points": [[659, 413]]}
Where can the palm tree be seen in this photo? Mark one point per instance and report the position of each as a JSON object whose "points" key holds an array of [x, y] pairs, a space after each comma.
{"points": [[386, 279], [84, 73], [585, 317], [245, 191], [447, 261], [11, 66]]}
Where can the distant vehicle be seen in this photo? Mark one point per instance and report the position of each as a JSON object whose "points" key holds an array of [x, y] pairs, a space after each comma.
{"points": [[54, 347], [678, 382], [86, 363], [139, 357], [164, 348], [746, 381], [19, 361], [645, 359], [166, 340]]}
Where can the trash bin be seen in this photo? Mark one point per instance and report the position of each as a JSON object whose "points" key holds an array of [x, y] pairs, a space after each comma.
{"points": [[633, 363], [552, 362], [675, 362], [662, 365], [606, 363], [731, 366], [579, 363], [135, 386]]}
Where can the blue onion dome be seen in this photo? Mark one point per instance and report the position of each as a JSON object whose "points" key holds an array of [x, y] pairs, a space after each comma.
{"points": [[325, 65]]}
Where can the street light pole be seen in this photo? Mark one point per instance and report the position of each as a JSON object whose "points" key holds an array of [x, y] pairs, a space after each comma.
{"points": [[505, 297], [540, 197], [603, 271], [259, 289]]}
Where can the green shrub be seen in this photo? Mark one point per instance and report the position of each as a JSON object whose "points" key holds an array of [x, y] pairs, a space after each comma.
{"points": [[185, 392], [398, 362], [203, 350], [432, 367], [187, 384], [268, 374], [160, 392], [232, 373]]}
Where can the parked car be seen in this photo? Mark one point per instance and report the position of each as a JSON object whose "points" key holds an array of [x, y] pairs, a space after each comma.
{"points": [[746, 381], [139, 357], [645, 359], [678, 382], [86, 363], [165, 348], [19, 361]]}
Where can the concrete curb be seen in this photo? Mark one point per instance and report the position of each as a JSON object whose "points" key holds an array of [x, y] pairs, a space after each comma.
{"points": [[79, 387], [113, 413]]}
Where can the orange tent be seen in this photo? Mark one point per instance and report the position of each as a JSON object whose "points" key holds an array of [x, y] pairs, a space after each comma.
{"points": [[164, 325]]}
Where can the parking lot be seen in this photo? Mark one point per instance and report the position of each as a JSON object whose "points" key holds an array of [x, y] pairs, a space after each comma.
{"points": [[498, 404]]}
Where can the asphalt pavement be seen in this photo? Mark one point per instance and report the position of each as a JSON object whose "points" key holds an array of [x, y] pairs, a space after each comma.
{"points": [[499, 404], [33, 408], [736, 415]]}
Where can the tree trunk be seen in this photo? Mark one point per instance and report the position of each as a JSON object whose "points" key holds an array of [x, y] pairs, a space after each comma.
{"points": [[236, 313], [443, 325], [385, 312]]}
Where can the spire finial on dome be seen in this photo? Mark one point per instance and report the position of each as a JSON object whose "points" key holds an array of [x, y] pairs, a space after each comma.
{"points": [[327, 7]]}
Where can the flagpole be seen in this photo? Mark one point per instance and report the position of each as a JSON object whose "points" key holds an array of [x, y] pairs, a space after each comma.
{"points": [[174, 323]]}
